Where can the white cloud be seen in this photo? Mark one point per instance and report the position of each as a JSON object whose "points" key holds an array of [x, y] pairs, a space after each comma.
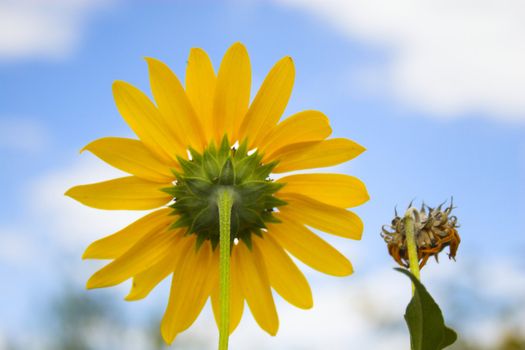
{"points": [[364, 311], [16, 247], [70, 223], [447, 58], [42, 28], [346, 310], [3, 340], [23, 135], [360, 312]]}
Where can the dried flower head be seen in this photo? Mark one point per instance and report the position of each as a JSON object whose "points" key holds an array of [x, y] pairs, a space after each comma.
{"points": [[434, 229]]}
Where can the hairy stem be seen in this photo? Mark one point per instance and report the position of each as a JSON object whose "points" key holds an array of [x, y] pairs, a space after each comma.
{"points": [[224, 202]]}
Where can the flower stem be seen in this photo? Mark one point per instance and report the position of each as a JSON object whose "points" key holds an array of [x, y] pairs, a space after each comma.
{"points": [[411, 243], [224, 202]]}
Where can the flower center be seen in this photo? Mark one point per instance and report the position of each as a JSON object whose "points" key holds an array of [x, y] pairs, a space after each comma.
{"points": [[195, 192]]}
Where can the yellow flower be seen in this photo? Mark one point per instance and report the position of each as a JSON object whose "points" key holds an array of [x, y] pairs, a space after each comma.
{"points": [[208, 135]]}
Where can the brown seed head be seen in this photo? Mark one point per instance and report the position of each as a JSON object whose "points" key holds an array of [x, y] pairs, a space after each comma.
{"points": [[434, 229]]}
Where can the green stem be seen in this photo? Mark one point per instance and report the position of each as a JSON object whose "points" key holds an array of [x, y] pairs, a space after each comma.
{"points": [[224, 202], [411, 243]]}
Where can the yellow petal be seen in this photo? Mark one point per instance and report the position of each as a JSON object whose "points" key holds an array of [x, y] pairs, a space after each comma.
{"points": [[285, 277], [132, 157], [174, 105], [115, 245], [309, 248], [144, 282], [200, 88], [269, 103], [190, 288], [232, 93], [309, 155], [236, 297], [321, 216], [334, 189], [304, 126], [128, 193], [145, 253], [256, 288], [146, 121]]}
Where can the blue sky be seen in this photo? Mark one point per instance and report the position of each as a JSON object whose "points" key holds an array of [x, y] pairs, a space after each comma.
{"points": [[421, 144]]}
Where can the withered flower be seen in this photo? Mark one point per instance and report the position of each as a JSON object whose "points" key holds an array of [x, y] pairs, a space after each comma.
{"points": [[434, 229]]}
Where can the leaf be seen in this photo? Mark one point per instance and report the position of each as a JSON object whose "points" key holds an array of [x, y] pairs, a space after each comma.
{"points": [[425, 320], [449, 338]]}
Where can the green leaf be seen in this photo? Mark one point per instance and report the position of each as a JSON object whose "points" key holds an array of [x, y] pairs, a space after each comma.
{"points": [[450, 337], [425, 320]]}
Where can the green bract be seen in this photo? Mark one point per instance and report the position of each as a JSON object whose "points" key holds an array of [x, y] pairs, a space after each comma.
{"points": [[195, 192]]}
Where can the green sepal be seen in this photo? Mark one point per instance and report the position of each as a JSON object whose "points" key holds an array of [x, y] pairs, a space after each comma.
{"points": [[269, 217], [175, 191], [175, 172], [240, 153], [274, 186], [245, 167], [189, 167], [195, 156], [273, 202], [227, 176], [172, 191], [214, 242], [211, 166], [188, 204], [220, 165], [251, 217], [183, 221], [253, 190], [224, 149], [204, 219], [211, 150], [200, 240], [247, 239], [425, 320], [200, 187], [235, 225], [264, 170]]}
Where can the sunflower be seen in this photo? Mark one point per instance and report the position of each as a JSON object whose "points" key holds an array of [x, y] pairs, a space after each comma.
{"points": [[206, 136]]}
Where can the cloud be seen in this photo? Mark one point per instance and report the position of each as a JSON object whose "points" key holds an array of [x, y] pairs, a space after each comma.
{"points": [[3, 340], [16, 247], [35, 28], [72, 225], [364, 310], [447, 58], [346, 310], [23, 135], [357, 311]]}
